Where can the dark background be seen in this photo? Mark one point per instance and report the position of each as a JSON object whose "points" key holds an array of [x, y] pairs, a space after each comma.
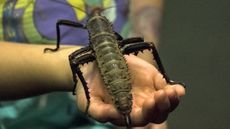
{"points": [[195, 49]]}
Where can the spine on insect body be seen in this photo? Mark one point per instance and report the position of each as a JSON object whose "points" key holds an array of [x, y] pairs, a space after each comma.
{"points": [[111, 63]]}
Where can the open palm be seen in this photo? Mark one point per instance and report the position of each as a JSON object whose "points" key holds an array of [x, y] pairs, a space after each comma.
{"points": [[153, 98]]}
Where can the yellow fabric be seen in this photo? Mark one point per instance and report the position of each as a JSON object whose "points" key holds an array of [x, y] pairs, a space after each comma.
{"points": [[29, 28], [1, 13], [79, 4]]}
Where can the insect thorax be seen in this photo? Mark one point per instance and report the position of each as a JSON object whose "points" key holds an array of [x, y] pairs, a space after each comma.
{"points": [[98, 25]]}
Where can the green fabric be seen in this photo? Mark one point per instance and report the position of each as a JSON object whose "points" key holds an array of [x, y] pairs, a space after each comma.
{"points": [[59, 112], [126, 30], [33, 36]]}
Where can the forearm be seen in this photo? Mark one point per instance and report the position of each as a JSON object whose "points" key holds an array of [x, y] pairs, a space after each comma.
{"points": [[27, 71], [145, 17]]}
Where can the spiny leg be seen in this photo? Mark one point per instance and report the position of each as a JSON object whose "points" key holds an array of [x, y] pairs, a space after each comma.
{"points": [[161, 67], [75, 63], [140, 46], [66, 23], [81, 51], [119, 37], [130, 41]]}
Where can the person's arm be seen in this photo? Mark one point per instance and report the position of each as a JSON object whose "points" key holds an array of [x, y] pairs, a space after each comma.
{"points": [[27, 71], [145, 17]]}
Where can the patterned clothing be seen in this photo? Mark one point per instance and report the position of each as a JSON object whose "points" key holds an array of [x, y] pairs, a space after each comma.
{"points": [[34, 21]]}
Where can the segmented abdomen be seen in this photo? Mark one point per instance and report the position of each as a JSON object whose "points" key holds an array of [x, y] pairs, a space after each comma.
{"points": [[111, 63], [114, 72]]}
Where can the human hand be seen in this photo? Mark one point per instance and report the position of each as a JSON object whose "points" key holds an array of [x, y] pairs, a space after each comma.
{"points": [[153, 98]]}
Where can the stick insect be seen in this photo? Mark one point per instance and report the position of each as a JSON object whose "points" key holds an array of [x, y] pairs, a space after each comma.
{"points": [[107, 47]]}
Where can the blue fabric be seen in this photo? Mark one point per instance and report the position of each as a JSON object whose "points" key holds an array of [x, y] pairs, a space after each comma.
{"points": [[44, 14]]}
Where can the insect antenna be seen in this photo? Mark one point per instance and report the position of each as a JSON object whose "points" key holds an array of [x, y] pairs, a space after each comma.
{"points": [[94, 9], [62, 2], [100, 9]]}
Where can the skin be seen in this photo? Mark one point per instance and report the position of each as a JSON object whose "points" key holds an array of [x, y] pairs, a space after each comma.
{"points": [[145, 19], [28, 71], [50, 72], [153, 98]]}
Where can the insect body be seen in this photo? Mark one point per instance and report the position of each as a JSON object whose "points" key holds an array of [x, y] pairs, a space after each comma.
{"points": [[105, 50], [107, 47], [110, 61]]}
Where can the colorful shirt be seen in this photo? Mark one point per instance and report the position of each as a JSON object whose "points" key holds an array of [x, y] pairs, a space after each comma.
{"points": [[34, 21]]}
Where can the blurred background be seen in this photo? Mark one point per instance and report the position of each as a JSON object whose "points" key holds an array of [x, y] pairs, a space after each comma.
{"points": [[195, 49]]}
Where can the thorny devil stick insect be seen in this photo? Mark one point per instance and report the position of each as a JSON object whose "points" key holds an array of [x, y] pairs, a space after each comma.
{"points": [[107, 47]]}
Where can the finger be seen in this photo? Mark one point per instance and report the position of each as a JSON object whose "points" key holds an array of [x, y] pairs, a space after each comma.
{"points": [[162, 107], [159, 81], [149, 110], [180, 90], [160, 118], [172, 96], [156, 109], [137, 117]]}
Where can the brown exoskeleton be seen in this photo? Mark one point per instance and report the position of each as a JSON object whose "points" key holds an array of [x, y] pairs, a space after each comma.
{"points": [[106, 47]]}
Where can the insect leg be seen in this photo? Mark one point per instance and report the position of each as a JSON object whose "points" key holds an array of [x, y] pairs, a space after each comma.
{"points": [[119, 37], [130, 41], [66, 23], [140, 46], [75, 63]]}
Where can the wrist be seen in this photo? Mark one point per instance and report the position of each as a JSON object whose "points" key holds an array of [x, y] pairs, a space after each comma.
{"points": [[60, 67]]}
